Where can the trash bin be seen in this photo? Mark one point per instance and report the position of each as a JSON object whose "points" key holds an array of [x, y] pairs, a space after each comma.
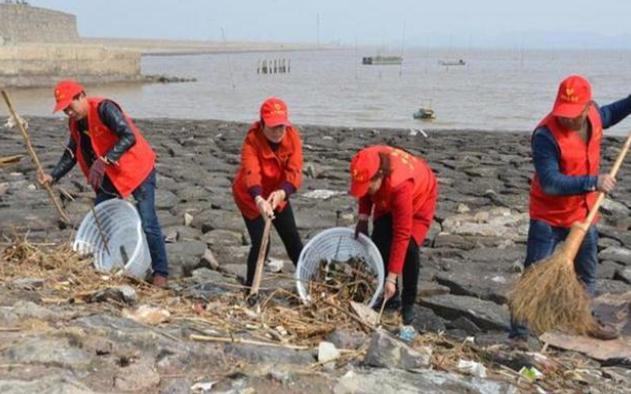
{"points": [[121, 226], [338, 244]]}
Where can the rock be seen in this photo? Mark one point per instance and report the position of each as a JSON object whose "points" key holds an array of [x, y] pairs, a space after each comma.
{"points": [[421, 381], [617, 254], [188, 219], [281, 376], [263, 354], [485, 314], [185, 256], [137, 377], [430, 289], [221, 238], [48, 351], [497, 222], [425, 320], [607, 269], [623, 274], [27, 283], [63, 383], [327, 352], [177, 386], [466, 325], [346, 339], [165, 199], [29, 310], [614, 208], [485, 281], [604, 286], [125, 294], [386, 351], [604, 242]]}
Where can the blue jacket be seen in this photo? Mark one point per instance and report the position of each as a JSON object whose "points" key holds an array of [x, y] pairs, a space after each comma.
{"points": [[546, 154]]}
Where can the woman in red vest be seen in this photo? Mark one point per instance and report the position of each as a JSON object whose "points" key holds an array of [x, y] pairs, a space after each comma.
{"points": [[566, 155], [116, 159], [270, 172], [400, 190]]}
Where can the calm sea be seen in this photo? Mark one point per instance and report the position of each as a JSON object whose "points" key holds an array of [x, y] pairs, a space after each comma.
{"points": [[499, 90]]}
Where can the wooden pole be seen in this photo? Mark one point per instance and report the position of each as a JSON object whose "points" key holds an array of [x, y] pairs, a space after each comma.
{"points": [[31, 151], [258, 274]]}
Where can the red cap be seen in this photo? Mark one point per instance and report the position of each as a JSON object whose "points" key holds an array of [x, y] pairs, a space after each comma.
{"points": [[574, 94], [364, 166], [65, 91], [274, 112]]}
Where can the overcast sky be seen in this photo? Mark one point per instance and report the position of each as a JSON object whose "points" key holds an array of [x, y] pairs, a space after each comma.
{"points": [[463, 23]]}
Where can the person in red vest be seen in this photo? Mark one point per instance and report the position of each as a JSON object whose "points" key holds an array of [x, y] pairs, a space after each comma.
{"points": [[116, 159], [400, 190], [566, 155], [270, 172]]}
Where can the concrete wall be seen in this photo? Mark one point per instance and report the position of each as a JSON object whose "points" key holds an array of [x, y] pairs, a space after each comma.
{"points": [[44, 64], [23, 23]]}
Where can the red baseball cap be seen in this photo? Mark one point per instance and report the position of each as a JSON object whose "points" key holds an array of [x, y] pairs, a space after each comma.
{"points": [[574, 94], [364, 166], [274, 112], [65, 91]]}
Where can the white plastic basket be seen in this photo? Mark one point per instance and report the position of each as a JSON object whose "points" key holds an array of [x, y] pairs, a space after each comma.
{"points": [[338, 244], [121, 226]]}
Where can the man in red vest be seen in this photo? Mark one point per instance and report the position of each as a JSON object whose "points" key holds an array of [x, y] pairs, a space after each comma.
{"points": [[116, 159], [566, 155]]}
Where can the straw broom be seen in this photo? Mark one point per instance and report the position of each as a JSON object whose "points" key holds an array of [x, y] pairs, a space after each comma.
{"points": [[549, 295]]}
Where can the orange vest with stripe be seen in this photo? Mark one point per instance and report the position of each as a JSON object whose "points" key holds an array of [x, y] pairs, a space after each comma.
{"points": [[577, 158], [133, 167]]}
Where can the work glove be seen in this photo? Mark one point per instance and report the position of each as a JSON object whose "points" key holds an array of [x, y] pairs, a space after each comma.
{"points": [[361, 227], [97, 172]]}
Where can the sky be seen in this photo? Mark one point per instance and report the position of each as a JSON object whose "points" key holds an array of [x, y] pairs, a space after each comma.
{"points": [[388, 23]]}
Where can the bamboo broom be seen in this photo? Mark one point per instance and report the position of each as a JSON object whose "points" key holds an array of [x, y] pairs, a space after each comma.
{"points": [[549, 295]]}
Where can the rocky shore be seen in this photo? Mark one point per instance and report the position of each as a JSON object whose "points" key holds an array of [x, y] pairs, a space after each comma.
{"points": [[474, 251]]}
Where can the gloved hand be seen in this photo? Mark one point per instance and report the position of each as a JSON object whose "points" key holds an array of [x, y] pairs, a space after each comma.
{"points": [[361, 227], [97, 172]]}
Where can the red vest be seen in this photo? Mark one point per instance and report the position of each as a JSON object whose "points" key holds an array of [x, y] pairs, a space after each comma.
{"points": [[404, 166], [577, 159], [135, 164]]}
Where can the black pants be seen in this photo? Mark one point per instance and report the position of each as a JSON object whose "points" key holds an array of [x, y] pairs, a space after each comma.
{"points": [[382, 237], [285, 224]]}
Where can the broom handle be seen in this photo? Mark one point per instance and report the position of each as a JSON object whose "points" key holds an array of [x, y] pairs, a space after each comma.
{"points": [[575, 238], [258, 273], [31, 151]]}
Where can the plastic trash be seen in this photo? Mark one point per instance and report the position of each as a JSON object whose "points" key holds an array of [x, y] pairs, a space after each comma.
{"points": [[472, 368], [530, 373], [122, 228], [338, 244], [407, 333]]}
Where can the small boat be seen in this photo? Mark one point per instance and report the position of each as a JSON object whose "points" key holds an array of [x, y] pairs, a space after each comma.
{"points": [[425, 114], [382, 60], [459, 62]]}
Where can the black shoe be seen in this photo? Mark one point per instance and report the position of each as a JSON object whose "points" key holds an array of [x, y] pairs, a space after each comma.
{"points": [[407, 314]]}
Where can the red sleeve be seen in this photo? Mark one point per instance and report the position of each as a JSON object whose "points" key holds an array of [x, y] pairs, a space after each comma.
{"points": [[293, 170], [402, 211], [250, 163], [365, 205]]}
